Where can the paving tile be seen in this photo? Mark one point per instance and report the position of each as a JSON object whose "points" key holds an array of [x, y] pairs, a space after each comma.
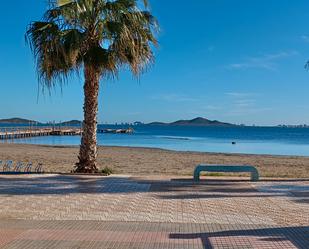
{"points": [[57, 211]]}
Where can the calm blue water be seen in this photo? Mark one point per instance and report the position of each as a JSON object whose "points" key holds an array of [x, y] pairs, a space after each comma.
{"points": [[250, 140]]}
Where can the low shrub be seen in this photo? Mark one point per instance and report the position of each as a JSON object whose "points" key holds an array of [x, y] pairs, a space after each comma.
{"points": [[107, 171]]}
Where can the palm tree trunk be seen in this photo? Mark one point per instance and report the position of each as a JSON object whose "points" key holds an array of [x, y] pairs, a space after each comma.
{"points": [[88, 148]]}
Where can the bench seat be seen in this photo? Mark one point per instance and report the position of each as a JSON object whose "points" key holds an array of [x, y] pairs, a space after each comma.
{"points": [[226, 168]]}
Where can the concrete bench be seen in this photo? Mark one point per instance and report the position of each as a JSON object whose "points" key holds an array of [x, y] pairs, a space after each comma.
{"points": [[226, 168]]}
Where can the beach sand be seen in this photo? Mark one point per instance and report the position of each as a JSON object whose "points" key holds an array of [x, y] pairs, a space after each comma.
{"points": [[145, 161]]}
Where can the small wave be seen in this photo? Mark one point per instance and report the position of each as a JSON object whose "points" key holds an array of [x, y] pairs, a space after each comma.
{"points": [[175, 137]]}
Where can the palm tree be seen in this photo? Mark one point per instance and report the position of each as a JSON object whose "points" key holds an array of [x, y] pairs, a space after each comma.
{"points": [[99, 37]]}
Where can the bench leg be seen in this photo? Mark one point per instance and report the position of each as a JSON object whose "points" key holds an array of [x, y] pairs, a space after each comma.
{"points": [[197, 175], [255, 176]]}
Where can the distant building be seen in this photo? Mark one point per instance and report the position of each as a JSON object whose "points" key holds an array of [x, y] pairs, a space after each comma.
{"points": [[138, 123], [294, 126]]}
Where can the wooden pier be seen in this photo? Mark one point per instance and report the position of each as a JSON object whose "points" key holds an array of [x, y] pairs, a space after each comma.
{"points": [[7, 133]]}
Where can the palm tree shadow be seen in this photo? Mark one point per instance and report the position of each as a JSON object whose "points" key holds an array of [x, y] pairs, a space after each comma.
{"points": [[70, 184], [165, 189], [66, 184], [298, 236], [213, 188]]}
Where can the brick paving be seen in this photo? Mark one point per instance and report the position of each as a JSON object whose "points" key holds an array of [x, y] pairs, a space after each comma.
{"points": [[57, 211]]}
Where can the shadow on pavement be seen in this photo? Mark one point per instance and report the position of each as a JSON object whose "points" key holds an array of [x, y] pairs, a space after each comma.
{"points": [[164, 189], [278, 237]]}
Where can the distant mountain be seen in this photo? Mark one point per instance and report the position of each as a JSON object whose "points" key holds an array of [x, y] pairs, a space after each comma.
{"points": [[158, 123], [194, 122], [71, 122], [17, 121], [27, 121]]}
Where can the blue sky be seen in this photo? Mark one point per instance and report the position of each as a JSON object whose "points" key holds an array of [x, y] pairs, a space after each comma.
{"points": [[233, 60]]}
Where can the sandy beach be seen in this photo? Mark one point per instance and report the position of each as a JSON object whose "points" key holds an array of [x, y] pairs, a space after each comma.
{"points": [[145, 161]]}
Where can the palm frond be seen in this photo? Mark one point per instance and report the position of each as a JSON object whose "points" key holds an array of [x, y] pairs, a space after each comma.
{"points": [[55, 51], [107, 34]]}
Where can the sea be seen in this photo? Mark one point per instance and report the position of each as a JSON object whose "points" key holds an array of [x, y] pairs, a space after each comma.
{"points": [[245, 140]]}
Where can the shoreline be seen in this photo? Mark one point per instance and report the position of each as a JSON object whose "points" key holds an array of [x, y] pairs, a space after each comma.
{"points": [[162, 149], [153, 161]]}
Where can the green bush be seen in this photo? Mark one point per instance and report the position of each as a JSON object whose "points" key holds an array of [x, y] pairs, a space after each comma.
{"points": [[107, 171]]}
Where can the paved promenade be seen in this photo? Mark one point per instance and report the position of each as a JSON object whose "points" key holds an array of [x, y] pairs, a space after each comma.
{"points": [[55, 211]]}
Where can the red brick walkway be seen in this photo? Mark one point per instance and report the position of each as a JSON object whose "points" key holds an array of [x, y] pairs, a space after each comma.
{"points": [[120, 212], [94, 234]]}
